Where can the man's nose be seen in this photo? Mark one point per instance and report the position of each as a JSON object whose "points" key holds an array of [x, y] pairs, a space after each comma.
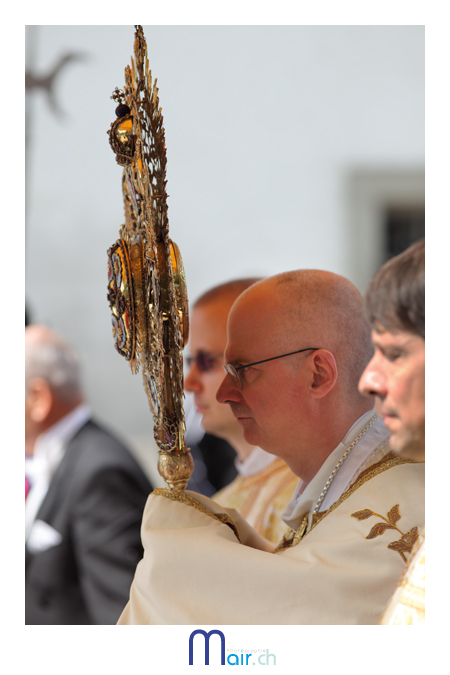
{"points": [[228, 390], [372, 382], [192, 381]]}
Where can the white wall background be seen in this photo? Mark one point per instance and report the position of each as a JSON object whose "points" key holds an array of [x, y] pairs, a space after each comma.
{"points": [[265, 128]]}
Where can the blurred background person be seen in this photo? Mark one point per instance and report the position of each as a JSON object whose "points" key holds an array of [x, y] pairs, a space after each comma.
{"points": [[214, 458], [264, 484], [395, 306], [86, 497]]}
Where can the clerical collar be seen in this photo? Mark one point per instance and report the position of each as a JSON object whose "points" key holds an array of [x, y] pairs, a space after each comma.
{"points": [[357, 460]]}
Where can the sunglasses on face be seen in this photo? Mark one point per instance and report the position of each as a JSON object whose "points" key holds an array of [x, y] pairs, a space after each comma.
{"points": [[203, 360]]}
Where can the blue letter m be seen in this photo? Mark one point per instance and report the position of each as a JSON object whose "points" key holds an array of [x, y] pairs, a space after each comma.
{"points": [[207, 637]]}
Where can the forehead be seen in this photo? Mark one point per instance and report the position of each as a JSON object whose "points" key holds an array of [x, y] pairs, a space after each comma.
{"points": [[253, 330], [35, 336], [386, 338], [208, 327]]}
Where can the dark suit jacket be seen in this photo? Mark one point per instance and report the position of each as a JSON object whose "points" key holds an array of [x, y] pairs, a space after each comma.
{"points": [[95, 501], [214, 465]]}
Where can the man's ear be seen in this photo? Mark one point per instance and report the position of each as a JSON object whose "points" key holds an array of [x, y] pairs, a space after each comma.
{"points": [[40, 398], [324, 371]]}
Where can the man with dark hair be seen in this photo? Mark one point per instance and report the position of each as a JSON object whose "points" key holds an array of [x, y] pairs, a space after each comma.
{"points": [[297, 345], [395, 306], [395, 376], [84, 508], [395, 298], [265, 483]]}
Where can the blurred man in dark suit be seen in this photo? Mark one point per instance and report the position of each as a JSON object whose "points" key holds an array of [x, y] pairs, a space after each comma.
{"points": [[84, 508]]}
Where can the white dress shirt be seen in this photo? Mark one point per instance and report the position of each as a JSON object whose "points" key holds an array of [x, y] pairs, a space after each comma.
{"points": [[49, 450]]}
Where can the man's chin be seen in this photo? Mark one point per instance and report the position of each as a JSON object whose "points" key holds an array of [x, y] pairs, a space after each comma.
{"points": [[209, 428], [206, 425], [408, 447], [250, 434], [214, 429], [245, 423]]}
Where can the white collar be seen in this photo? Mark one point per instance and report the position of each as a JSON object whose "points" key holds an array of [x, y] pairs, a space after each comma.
{"points": [[360, 456], [257, 460]]}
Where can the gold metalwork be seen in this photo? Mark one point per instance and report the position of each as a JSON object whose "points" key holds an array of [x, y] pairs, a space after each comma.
{"points": [[151, 310], [121, 299]]}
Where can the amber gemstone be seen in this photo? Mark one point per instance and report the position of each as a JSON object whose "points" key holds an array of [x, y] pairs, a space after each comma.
{"points": [[124, 130]]}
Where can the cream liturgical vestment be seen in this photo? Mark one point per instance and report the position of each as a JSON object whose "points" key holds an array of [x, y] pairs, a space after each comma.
{"points": [[201, 564], [407, 605], [261, 493]]}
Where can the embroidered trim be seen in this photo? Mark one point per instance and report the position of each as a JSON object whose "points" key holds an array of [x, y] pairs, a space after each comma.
{"points": [[402, 545], [293, 537], [384, 445], [387, 462], [177, 496]]}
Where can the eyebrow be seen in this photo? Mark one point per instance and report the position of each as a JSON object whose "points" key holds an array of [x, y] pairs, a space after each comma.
{"points": [[390, 346], [234, 362]]}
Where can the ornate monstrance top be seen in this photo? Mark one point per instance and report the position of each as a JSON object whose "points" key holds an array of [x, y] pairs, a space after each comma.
{"points": [[146, 282]]}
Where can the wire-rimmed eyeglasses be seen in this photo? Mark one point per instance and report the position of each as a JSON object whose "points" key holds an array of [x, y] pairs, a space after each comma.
{"points": [[234, 371]]}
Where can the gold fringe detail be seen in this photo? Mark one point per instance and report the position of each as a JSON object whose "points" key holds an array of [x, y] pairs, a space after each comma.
{"points": [[178, 496]]}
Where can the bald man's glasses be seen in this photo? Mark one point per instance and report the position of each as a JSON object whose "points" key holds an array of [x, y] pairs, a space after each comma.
{"points": [[203, 360], [235, 374]]}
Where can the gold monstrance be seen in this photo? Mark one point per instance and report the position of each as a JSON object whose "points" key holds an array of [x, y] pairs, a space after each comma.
{"points": [[146, 282]]}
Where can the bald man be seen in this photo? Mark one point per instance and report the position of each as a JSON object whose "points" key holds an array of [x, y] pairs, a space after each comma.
{"points": [[87, 496], [264, 483], [297, 345]]}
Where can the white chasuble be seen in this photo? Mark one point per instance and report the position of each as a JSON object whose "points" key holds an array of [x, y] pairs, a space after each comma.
{"points": [[199, 566]]}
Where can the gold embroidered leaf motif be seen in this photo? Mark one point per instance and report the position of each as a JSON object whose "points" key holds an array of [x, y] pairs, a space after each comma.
{"points": [[362, 515], [405, 543], [394, 515], [377, 529]]}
